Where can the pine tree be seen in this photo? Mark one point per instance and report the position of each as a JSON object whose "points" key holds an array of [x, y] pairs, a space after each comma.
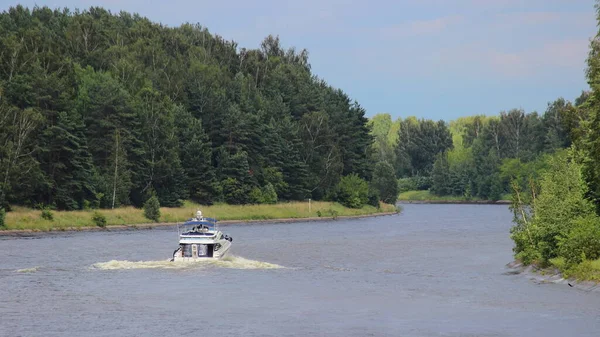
{"points": [[440, 175], [68, 162], [152, 208], [385, 183], [196, 158]]}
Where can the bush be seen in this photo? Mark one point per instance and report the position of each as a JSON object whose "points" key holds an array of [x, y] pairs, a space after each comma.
{"points": [[373, 197], [582, 241], [406, 184], [47, 214], [586, 270], [269, 196], [529, 255], [99, 219], [559, 263], [561, 222], [3, 203], [255, 196], [496, 189], [352, 191], [234, 192], [2, 217], [423, 183], [265, 195], [417, 183], [332, 213], [152, 208]]}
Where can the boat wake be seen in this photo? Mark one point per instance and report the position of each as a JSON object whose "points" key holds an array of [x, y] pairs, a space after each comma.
{"points": [[232, 262], [27, 270]]}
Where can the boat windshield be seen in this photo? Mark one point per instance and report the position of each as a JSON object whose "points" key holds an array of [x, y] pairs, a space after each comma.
{"points": [[192, 226]]}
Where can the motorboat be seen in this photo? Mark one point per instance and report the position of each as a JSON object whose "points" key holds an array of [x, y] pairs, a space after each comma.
{"points": [[200, 239]]}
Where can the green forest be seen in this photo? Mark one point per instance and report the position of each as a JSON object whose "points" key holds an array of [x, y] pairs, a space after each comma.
{"points": [[101, 110], [475, 157]]}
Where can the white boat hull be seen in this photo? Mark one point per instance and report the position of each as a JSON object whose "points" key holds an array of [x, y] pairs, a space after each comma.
{"points": [[201, 251]]}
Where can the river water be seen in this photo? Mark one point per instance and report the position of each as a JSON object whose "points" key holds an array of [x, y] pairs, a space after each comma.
{"points": [[434, 270]]}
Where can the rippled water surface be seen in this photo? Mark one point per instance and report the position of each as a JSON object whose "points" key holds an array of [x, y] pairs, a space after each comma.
{"points": [[435, 270]]}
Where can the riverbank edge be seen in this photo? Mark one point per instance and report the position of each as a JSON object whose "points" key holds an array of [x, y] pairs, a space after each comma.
{"points": [[463, 202], [110, 228], [550, 276]]}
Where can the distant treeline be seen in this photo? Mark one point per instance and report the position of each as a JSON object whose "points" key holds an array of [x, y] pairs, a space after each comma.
{"points": [[100, 110], [475, 156]]}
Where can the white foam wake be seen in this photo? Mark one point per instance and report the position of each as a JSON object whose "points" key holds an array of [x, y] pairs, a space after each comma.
{"points": [[233, 262], [27, 270]]}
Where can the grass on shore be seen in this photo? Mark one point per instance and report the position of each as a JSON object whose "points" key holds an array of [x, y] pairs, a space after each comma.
{"points": [[428, 196], [25, 218], [587, 270]]}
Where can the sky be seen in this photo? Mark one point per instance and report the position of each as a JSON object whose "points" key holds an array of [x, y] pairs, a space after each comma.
{"points": [[437, 59]]}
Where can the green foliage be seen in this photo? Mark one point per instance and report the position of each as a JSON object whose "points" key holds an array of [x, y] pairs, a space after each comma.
{"points": [[265, 195], [418, 183], [586, 270], [105, 113], [384, 182], [374, 197], [256, 196], [47, 214], [152, 208], [553, 218], [99, 219], [560, 263], [406, 184], [274, 178], [582, 241], [2, 217], [352, 191], [496, 189], [440, 175], [488, 153], [385, 134], [332, 213], [419, 142], [3, 203], [196, 157], [269, 194], [236, 193]]}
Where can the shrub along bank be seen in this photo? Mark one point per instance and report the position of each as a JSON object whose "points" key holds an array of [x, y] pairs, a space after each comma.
{"points": [[555, 224]]}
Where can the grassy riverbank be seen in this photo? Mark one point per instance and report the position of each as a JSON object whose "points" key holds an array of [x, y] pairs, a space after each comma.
{"points": [[426, 196], [23, 218], [586, 272]]}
